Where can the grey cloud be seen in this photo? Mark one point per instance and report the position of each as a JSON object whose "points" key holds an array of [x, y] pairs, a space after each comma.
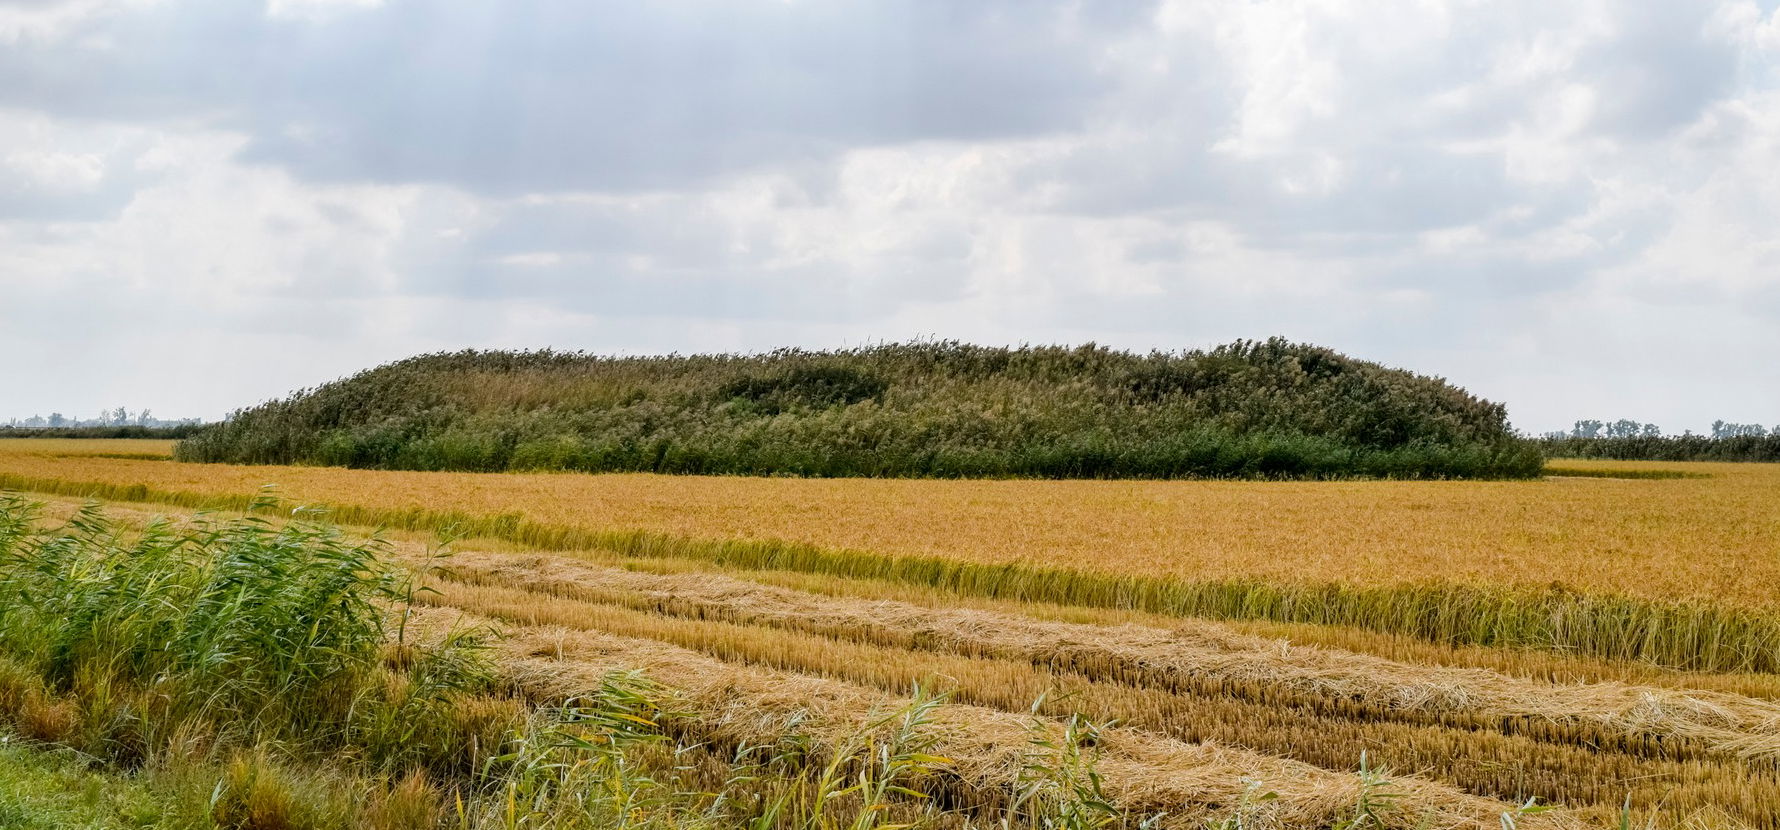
{"points": [[539, 95], [549, 95], [681, 255]]}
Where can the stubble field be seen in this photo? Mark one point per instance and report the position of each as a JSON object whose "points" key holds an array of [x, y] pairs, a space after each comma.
{"points": [[1586, 641]]}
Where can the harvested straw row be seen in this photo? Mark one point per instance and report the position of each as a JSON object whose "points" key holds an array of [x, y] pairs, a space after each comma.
{"points": [[1541, 666], [1144, 774], [1196, 657], [1487, 763]]}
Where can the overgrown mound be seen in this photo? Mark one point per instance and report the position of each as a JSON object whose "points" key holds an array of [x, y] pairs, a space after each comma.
{"points": [[1269, 409]]}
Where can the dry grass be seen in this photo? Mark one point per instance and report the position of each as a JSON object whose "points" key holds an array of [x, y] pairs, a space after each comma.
{"points": [[1547, 761], [1191, 656], [1144, 773], [1514, 662], [1705, 538]]}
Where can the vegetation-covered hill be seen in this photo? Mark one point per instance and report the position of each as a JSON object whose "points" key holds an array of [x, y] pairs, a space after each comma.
{"points": [[1249, 409]]}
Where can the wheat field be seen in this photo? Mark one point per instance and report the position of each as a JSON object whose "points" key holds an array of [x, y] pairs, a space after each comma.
{"points": [[772, 601], [1707, 538]]}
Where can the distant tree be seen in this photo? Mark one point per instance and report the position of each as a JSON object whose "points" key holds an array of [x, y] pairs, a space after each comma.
{"points": [[57, 419], [1652, 431], [1727, 429], [1587, 429]]}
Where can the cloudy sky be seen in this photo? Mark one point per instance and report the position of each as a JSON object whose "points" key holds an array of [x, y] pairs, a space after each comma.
{"points": [[1571, 207]]}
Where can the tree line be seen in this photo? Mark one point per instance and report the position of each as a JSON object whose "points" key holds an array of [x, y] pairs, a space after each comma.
{"points": [[1630, 440], [1627, 428], [110, 423], [107, 418]]}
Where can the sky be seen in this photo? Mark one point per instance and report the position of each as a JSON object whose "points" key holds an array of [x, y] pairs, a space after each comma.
{"points": [[1572, 208]]}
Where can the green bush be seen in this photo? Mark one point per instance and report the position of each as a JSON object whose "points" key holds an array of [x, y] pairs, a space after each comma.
{"points": [[1268, 409]]}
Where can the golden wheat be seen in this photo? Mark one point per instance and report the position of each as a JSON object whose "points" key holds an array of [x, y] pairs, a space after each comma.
{"points": [[1694, 634], [96, 447], [1533, 665], [1668, 539]]}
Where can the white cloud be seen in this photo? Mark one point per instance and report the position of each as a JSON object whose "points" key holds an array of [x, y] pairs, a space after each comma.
{"points": [[1565, 206]]}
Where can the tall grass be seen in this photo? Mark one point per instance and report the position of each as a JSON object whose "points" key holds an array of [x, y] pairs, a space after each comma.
{"points": [[131, 645], [1268, 409]]}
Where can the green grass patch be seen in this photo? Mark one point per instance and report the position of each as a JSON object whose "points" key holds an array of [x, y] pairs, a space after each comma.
{"points": [[44, 788]]}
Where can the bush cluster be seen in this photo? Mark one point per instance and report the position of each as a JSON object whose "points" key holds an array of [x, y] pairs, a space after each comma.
{"points": [[123, 431], [1666, 447], [1255, 409]]}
